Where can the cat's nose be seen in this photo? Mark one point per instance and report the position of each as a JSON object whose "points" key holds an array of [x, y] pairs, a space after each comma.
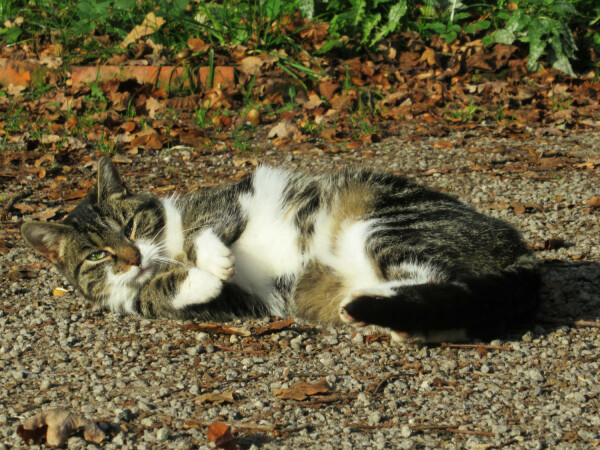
{"points": [[135, 260], [132, 257]]}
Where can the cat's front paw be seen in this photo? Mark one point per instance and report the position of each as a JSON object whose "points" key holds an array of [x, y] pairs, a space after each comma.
{"points": [[214, 256], [199, 287]]}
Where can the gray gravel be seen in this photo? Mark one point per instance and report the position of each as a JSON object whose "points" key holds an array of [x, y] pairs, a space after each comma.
{"points": [[142, 378]]}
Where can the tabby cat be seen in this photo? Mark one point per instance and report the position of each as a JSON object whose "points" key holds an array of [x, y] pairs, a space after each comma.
{"points": [[355, 246]]}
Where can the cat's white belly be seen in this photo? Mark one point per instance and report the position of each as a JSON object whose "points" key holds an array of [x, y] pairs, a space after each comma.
{"points": [[342, 246], [268, 248]]}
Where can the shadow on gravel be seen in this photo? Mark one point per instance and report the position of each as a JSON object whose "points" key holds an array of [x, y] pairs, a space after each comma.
{"points": [[570, 293]]}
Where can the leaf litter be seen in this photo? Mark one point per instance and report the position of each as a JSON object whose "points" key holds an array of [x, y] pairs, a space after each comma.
{"points": [[53, 427]]}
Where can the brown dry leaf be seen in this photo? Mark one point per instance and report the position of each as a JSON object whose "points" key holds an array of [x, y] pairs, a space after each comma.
{"points": [[154, 106], [500, 206], [121, 159], [594, 202], [220, 434], [24, 208], [149, 139], [392, 99], [80, 193], [302, 391], [284, 129], [313, 101], [194, 138], [46, 214], [250, 64], [554, 243], [60, 422], [150, 24], [215, 398], [36, 436], [327, 88], [59, 291], [551, 162], [197, 45], [46, 158], [93, 433], [275, 326], [519, 208], [443, 144]]}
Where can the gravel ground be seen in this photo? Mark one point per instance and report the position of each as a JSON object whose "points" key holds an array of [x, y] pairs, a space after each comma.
{"points": [[145, 380]]}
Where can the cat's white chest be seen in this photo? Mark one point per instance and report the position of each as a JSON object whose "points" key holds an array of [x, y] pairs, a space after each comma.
{"points": [[269, 246]]}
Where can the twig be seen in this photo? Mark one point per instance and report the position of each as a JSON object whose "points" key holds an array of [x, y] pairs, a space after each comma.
{"points": [[195, 423], [586, 323], [475, 346], [451, 429], [361, 426], [383, 382]]}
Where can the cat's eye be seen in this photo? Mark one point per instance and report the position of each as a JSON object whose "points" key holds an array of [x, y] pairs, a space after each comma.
{"points": [[97, 256], [128, 230]]}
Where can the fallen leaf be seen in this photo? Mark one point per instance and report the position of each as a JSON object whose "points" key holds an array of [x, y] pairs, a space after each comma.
{"points": [[594, 202], [197, 45], [250, 64], [327, 88], [443, 144], [60, 422], [93, 433], [554, 243], [150, 24], [314, 101], [518, 208], [80, 193], [275, 326], [215, 397], [59, 291], [46, 214], [302, 391], [220, 434], [36, 436], [284, 129]]}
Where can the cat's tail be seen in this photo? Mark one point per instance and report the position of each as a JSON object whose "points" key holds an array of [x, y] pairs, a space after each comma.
{"points": [[481, 306]]}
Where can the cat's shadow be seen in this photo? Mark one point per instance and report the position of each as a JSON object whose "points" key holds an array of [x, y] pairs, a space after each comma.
{"points": [[570, 294]]}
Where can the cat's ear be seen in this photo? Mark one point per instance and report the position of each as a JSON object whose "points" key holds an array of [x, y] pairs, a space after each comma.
{"points": [[46, 238], [109, 180]]}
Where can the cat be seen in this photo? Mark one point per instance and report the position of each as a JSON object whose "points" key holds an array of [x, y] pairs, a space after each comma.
{"points": [[355, 247]]}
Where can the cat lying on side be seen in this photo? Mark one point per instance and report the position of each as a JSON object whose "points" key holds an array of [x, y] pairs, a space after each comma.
{"points": [[355, 246]]}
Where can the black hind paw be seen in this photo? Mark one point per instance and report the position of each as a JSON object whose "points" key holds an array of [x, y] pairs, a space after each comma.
{"points": [[354, 311]]}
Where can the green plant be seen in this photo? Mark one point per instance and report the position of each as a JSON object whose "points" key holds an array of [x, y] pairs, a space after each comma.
{"points": [[370, 20], [500, 113], [201, 116], [106, 146], [240, 142], [464, 114], [543, 25], [560, 103]]}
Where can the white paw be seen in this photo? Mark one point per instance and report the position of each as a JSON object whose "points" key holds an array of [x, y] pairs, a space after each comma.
{"points": [[199, 287], [214, 256]]}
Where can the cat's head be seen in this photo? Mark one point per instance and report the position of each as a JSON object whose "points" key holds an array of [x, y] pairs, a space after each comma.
{"points": [[109, 245]]}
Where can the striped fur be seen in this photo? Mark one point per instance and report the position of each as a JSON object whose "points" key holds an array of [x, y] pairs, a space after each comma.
{"points": [[355, 246]]}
